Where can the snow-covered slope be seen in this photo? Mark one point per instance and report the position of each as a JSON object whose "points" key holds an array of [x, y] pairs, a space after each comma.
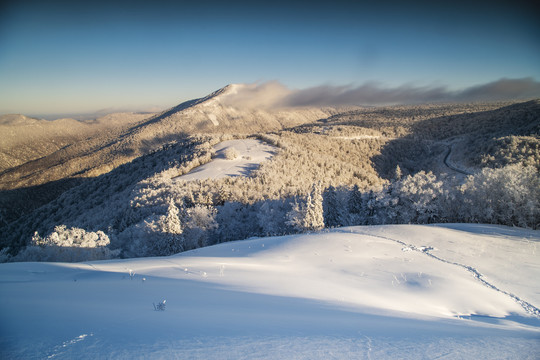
{"points": [[234, 109], [216, 113], [383, 292], [24, 139], [233, 158]]}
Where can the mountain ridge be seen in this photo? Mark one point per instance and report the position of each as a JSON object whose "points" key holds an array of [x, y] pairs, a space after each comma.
{"points": [[205, 115]]}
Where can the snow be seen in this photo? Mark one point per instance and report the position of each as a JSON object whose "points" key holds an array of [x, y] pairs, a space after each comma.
{"points": [[251, 153], [380, 292]]}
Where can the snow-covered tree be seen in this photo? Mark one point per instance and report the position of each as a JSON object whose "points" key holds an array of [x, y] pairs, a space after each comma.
{"points": [[398, 174], [200, 221], [271, 217], [68, 244], [171, 223], [419, 197], [509, 196], [307, 214], [231, 153], [332, 208]]}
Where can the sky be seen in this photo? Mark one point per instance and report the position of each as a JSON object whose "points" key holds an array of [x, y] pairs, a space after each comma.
{"points": [[75, 57]]}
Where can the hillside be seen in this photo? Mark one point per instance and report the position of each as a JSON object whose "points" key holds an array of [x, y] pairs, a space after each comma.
{"points": [[479, 134], [88, 156], [26, 139], [38, 152], [400, 164], [384, 292]]}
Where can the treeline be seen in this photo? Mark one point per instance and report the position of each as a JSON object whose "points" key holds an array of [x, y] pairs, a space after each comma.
{"points": [[129, 204], [507, 196], [99, 203]]}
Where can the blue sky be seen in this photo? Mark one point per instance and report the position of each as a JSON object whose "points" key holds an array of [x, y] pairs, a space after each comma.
{"points": [[75, 57]]}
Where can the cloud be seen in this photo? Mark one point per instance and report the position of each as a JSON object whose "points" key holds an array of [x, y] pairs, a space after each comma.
{"points": [[273, 94], [259, 95], [501, 90], [367, 94]]}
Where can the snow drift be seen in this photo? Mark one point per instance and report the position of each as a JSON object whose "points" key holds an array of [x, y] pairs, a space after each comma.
{"points": [[458, 291]]}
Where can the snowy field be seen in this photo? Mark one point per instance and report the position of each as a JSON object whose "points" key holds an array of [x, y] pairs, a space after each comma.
{"points": [[250, 153], [382, 292]]}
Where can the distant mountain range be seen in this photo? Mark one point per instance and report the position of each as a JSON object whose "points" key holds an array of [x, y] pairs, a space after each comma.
{"points": [[39, 151]]}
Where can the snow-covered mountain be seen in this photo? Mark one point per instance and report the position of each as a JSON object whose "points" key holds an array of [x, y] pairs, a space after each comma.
{"points": [[227, 111], [383, 292], [93, 155]]}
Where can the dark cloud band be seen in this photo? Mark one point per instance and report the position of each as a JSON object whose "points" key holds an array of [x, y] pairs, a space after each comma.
{"points": [[273, 94], [374, 94]]}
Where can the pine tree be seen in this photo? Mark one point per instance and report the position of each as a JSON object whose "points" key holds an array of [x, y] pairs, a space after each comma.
{"points": [[355, 201], [398, 173], [169, 239], [172, 223], [332, 213]]}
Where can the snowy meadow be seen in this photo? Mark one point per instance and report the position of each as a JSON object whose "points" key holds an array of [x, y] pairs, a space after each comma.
{"points": [[378, 292]]}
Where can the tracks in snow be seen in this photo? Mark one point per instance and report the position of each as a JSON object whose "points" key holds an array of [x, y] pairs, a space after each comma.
{"points": [[528, 307], [531, 309]]}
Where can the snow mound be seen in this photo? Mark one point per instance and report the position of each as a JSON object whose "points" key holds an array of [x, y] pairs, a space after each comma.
{"points": [[459, 291]]}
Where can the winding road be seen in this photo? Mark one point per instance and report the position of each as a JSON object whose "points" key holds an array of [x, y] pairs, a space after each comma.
{"points": [[450, 166]]}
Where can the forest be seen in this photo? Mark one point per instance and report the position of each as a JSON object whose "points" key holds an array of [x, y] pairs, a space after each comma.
{"points": [[370, 166]]}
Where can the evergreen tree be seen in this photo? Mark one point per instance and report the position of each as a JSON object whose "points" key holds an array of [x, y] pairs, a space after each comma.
{"points": [[172, 223], [355, 201], [332, 213], [398, 173]]}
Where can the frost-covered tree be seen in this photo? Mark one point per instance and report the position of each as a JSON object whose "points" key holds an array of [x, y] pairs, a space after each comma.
{"points": [[419, 196], [332, 208], [509, 196], [68, 244], [307, 215], [156, 235], [398, 174], [385, 207], [147, 238], [171, 223], [200, 222], [272, 216], [231, 153]]}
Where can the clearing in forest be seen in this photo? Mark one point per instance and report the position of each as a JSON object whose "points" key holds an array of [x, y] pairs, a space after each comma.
{"points": [[233, 158]]}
